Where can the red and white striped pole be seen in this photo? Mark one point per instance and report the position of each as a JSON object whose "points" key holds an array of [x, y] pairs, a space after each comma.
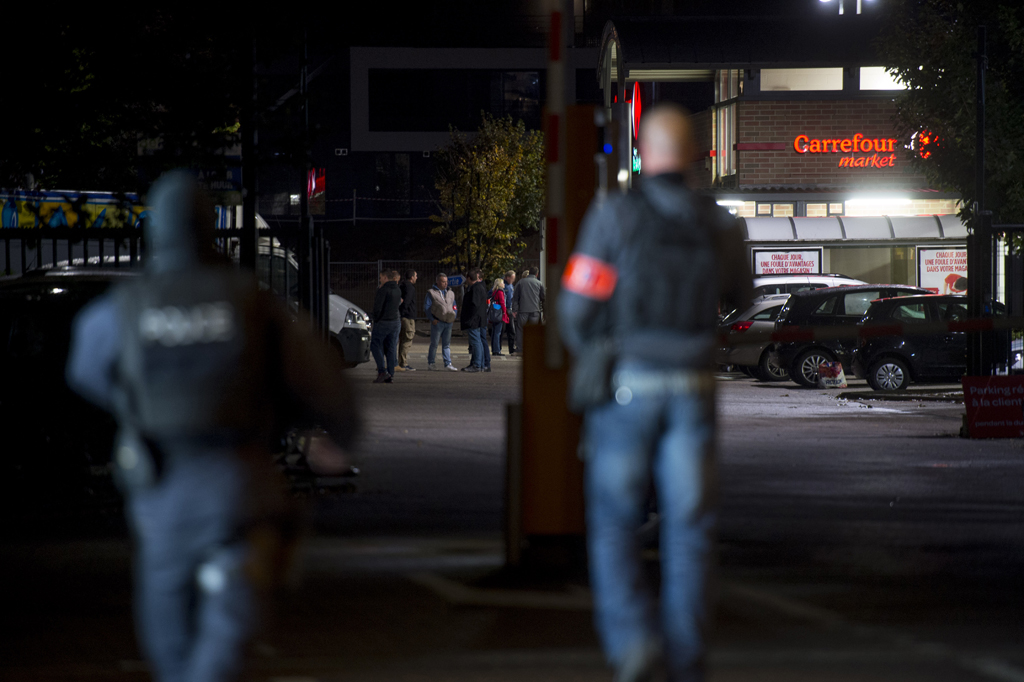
{"points": [[554, 140]]}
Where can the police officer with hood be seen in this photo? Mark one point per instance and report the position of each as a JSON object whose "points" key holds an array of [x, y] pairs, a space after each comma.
{"points": [[202, 371]]}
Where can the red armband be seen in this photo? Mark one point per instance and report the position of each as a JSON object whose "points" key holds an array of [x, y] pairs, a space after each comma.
{"points": [[590, 277]]}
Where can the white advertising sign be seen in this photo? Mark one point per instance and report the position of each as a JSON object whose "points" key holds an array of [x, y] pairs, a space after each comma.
{"points": [[942, 269], [787, 262]]}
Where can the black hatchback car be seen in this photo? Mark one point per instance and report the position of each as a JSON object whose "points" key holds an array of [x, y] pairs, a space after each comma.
{"points": [[832, 307], [56, 445], [891, 363]]}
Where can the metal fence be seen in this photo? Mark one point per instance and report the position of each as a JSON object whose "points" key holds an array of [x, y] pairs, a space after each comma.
{"points": [[358, 281], [30, 248]]}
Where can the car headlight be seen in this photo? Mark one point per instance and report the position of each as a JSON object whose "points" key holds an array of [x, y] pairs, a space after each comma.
{"points": [[354, 318]]}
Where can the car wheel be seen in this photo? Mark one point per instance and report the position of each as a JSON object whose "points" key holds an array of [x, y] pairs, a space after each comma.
{"points": [[889, 374], [745, 370], [768, 370], [805, 368]]}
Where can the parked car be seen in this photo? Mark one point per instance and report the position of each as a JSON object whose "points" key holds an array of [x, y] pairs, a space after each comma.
{"points": [[753, 358], [773, 285], [891, 363], [56, 445], [277, 270], [832, 307], [765, 285]]}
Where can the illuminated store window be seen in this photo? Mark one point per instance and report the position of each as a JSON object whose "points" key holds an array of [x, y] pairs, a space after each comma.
{"points": [[836, 209], [764, 210], [817, 210], [877, 78], [794, 80], [782, 211]]}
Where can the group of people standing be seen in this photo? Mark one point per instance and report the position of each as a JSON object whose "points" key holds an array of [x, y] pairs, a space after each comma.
{"points": [[485, 314]]}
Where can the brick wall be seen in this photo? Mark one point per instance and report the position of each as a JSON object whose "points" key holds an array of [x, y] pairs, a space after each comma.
{"points": [[781, 122]]}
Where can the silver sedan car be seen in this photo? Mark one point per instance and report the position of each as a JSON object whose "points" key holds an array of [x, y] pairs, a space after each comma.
{"points": [[752, 358]]}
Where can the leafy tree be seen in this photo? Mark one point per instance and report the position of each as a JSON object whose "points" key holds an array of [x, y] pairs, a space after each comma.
{"points": [[490, 193], [929, 45], [110, 99]]}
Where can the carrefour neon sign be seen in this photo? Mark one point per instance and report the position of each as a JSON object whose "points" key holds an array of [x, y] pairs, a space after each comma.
{"points": [[882, 150]]}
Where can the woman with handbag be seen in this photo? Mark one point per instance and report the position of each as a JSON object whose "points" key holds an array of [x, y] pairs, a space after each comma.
{"points": [[497, 315]]}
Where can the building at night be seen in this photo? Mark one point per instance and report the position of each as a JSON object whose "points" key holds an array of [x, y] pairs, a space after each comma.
{"points": [[798, 137]]}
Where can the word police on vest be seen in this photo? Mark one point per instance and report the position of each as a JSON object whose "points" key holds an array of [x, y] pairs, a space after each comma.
{"points": [[174, 326]]}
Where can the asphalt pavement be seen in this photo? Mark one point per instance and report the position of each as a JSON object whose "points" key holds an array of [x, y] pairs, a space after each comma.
{"points": [[860, 539]]}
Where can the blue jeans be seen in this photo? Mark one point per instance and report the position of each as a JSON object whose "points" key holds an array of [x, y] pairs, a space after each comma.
{"points": [[496, 328], [384, 345], [670, 439], [195, 609], [477, 348], [440, 331]]}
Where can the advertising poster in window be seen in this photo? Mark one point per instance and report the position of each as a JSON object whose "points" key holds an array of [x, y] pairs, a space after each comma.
{"points": [[787, 261], [942, 269]]}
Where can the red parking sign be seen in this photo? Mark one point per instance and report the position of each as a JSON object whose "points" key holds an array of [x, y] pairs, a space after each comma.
{"points": [[995, 406]]}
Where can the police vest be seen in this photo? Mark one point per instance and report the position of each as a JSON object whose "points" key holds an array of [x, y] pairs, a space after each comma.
{"points": [[667, 288], [194, 360]]}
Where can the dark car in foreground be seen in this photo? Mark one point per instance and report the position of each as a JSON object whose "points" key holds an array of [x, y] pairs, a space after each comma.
{"points": [[56, 449], [829, 308], [56, 445], [891, 363]]}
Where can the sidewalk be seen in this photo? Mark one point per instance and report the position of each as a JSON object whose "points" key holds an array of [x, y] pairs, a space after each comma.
{"points": [[411, 609]]}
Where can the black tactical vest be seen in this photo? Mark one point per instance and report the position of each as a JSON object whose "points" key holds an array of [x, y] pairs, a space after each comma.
{"points": [[665, 304], [194, 360]]}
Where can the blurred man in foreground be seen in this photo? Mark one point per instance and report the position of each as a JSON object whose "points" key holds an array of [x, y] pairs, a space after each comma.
{"points": [[202, 371], [638, 312]]}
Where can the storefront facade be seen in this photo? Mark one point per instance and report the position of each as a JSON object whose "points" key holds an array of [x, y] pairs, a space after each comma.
{"points": [[799, 141]]}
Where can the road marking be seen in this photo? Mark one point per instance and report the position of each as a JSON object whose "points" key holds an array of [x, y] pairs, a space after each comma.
{"points": [[986, 666]]}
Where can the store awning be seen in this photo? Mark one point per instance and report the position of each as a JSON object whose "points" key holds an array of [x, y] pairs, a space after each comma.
{"points": [[902, 229]]}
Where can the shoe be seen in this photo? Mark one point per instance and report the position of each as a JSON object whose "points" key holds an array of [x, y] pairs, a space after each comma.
{"points": [[452, 368], [487, 369], [407, 368], [390, 379], [642, 663], [381, 376], [399, 368], [471, 368], [497, 354], [432, 367]]}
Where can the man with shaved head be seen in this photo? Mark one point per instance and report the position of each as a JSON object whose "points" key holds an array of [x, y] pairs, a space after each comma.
{"points": [[638, 311]]}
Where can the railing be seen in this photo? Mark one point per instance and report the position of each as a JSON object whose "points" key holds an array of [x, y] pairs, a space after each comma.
{"points": [[26, 249]]}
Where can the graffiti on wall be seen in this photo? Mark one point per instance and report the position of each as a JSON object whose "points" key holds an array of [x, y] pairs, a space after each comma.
{"points": [[25, 209]]}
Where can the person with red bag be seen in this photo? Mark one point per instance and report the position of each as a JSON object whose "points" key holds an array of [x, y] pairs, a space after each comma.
{"points": [[497, 315]]}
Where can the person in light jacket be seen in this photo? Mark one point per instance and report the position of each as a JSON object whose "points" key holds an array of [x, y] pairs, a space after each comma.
{"points": [[439, 306]]}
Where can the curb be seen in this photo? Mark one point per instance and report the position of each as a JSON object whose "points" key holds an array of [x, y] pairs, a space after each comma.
{"points": [[951, 396]]}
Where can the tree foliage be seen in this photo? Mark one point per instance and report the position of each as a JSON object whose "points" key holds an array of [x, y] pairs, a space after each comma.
{"points": [[113, 98], [930, 45], [490, 194]]}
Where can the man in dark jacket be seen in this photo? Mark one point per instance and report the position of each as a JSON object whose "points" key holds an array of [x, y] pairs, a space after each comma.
{"points": [[386, 326], [638, 311], [474, 322], [201, 369], [408, 312]]}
